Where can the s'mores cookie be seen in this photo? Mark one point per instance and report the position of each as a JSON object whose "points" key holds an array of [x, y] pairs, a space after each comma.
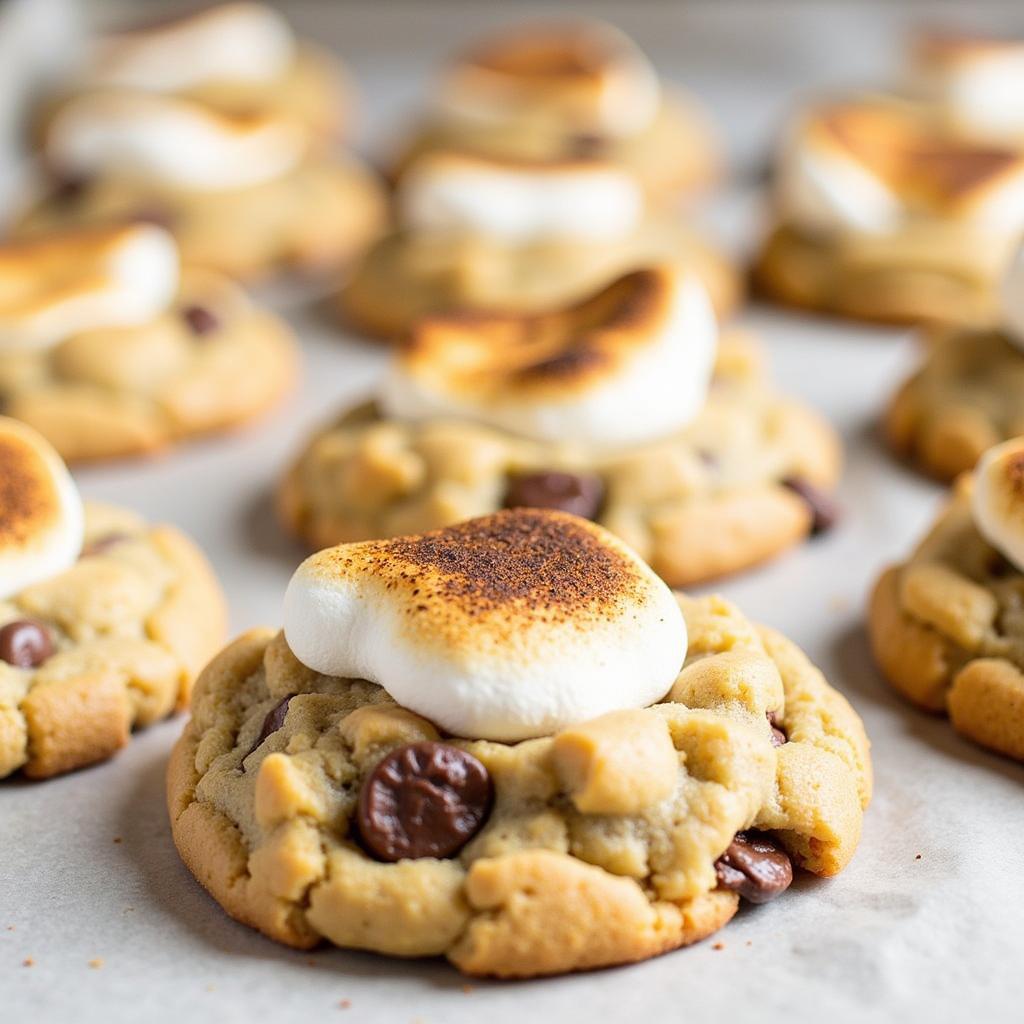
{"points": [[945, 625], [565, 90], [611, 408], [217, 127], [513, 236], [972, 81], [968, 394], [104, 620], [108, 348], [508, 743], [235, 58], [882, 213]]}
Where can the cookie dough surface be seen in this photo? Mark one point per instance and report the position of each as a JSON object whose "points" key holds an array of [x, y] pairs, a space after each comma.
{"points": [[911, 280], [315, 217], [210, 362], [131, 624], [410, 274], [571, 869], [713, 499], [948, 633], [967, 396]]}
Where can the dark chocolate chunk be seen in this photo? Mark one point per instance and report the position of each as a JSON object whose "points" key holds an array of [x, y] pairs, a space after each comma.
{"points": [[755, 867], [200, 320], [272, 722], [423, 800], [823, 508], [567, 492], [25, 644]]}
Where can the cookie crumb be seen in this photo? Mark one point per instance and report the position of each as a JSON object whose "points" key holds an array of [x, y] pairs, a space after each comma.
{"points": [[839, 604], [118, 839], [718, 945], [96, 963], [28, 962], [750, 942], [467, 989], [344, 1004], [10, 927], [918, 857]]}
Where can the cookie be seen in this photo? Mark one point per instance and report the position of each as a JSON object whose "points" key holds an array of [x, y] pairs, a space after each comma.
{"points": [[217, 125], [969, 81], [606, 406], [414, 273], [944, 624], [235, 58], [967, 394], [104, 620], [553, 91], [607, 827], [108, 349], [884, 215]]}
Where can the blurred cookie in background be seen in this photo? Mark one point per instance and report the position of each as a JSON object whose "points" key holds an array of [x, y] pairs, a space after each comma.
{"points": [[621, 408], [569, 90], [109, 348], [904, 205], [517, 236], [219, 126], [968, 394]]}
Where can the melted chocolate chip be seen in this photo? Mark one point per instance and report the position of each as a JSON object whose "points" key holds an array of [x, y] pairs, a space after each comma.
{"points": [[824, 510], [567, 492], [585, 145], [754, 867], [200, 320], [25, 644], [778, 736], [69, 191], [271, 723], [423, 800]]}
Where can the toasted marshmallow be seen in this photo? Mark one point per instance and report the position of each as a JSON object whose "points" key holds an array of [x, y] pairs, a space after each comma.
{"points": [[976, 81], [41, 518], [631, 364], [505, 627], [170, 140], [583, 77], [998, 498], [231, 42], [873, 166], [520, 203], [57, 286]]}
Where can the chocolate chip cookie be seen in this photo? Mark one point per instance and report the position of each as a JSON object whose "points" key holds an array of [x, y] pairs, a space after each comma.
{"points": [[315, 806], [594, 410], [945, 625]]}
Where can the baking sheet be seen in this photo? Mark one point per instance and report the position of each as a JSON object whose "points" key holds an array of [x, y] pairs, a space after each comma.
{"points": [[926, 921]]}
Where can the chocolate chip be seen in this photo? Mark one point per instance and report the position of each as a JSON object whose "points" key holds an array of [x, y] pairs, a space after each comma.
{"points": [[69, 190], [568, 492], [104, 543], [273, 721], [824, 510], [755, 867], [587, 145], [779, 738], [423, 800], [25, 644], [200, 320]]}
